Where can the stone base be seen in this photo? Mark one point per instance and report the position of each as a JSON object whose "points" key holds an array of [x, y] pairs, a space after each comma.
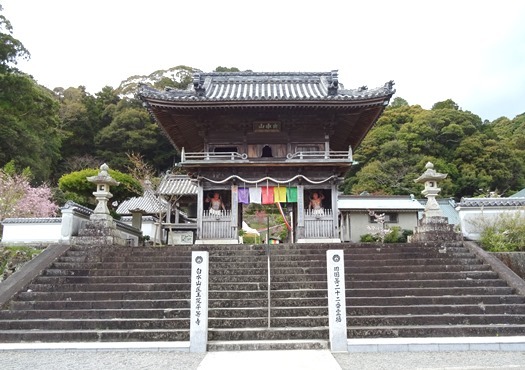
{"points": [[99, 232], [435, 229], [217, 241], [322, 241]]}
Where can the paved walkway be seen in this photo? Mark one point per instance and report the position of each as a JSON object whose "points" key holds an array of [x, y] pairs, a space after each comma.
{"points": [[388, 354], [267, 360]]}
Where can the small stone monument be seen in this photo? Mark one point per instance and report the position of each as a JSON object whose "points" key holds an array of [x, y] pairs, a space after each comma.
{"points": [[433, 226], [103, 181], [101, 228], [431, 178]]}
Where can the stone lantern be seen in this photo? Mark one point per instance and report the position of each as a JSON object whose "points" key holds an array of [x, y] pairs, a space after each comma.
{"points": [[433, 227], [430, 179], [103, 181]]}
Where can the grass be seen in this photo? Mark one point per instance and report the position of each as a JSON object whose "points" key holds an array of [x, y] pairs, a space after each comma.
{"points": [[13, 256]]}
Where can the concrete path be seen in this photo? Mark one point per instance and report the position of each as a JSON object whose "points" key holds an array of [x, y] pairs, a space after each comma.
{"points": [[387, 354], [270, 360]]}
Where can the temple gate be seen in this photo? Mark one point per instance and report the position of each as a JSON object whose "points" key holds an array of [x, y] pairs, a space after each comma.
{"points": [[248, 137]]}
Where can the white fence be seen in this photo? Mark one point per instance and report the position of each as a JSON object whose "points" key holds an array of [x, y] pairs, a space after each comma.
{"points": [[56, 229]]}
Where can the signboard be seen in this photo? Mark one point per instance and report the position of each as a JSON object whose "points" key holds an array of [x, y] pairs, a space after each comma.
{"points": [[180, 237], [336, 300], [199, 301], [267, 126]]}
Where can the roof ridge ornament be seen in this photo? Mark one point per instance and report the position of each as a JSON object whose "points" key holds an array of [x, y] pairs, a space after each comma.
{"points": [[198, 84], [334, 82], [389, 86]]}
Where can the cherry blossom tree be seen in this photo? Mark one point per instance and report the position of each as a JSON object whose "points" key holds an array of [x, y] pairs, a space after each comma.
{"points": [[19, 199]]}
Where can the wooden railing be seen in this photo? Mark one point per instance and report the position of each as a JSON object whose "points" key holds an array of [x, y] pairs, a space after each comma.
{"points": [[211, 156], [345, 156], [217, 225], [331, 155], [319, 224]]}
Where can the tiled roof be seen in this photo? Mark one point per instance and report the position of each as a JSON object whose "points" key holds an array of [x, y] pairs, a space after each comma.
{"points": [[378, 203], [33, 220], [250, 86], [77, 208], [492, 202], [177, 185], [148, 203], [127, 219], [519, 194]]}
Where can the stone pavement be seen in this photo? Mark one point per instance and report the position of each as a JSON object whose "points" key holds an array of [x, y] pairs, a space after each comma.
{"points": [[382, 354]]}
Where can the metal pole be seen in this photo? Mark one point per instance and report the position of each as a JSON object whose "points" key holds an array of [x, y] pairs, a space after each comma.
{"points": [[269, 282], [267, 229], [268, 266]]}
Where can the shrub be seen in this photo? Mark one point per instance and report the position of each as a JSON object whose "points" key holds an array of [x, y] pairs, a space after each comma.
{"points": [[504, 233], [394, 235], [11, 258], [369, 238]]}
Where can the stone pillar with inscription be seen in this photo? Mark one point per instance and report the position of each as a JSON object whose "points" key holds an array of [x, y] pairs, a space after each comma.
{"points": [[199, 301], [336, 300]]}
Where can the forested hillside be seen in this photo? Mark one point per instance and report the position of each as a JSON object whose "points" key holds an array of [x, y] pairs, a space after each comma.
{"points": [[57, 130], [478, 156]]}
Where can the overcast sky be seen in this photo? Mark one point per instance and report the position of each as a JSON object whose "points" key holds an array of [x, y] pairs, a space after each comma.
{"points": [[470, 51]]}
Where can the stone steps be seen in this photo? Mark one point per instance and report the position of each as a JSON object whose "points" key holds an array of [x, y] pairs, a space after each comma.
{"points": [[267, 345], [81, 297], [116, 314], [131, 294], [277, 333], [100, 304], [435, 331], [101, 295], [102, 335], [435, 319], [88, 287], [94, 324]]}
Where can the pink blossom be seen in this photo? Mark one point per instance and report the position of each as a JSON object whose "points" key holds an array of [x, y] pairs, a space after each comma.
{"points": [[19, 199]]}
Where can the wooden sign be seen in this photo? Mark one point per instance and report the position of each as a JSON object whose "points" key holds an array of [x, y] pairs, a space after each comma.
{"points": [[267, 126]]}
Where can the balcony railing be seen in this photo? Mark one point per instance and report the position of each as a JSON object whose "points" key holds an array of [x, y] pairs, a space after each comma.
{"points": [[336, 156], [331, 155], [214, 156]]}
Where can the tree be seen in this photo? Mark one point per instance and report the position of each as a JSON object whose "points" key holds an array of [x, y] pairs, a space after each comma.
{"points": [[399, 102], [19, 199], [29, 133], [226, 69], [11, 49], [446, 104], [475, 155], [133, 131], [77, 188]]}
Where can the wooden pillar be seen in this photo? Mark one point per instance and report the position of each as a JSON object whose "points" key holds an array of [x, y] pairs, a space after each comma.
{"points": [[235, 211], [200, 209], [335, 212], [300, 212]]}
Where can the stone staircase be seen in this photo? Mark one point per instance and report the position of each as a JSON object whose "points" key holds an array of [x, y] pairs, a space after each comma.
{"points": [[427, 290], [238, 316], [106, 294], [143, 294]]}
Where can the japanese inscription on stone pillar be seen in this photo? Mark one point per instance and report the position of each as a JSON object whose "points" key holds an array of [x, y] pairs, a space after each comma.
{"points": [[336, 300], [199, 301]]}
